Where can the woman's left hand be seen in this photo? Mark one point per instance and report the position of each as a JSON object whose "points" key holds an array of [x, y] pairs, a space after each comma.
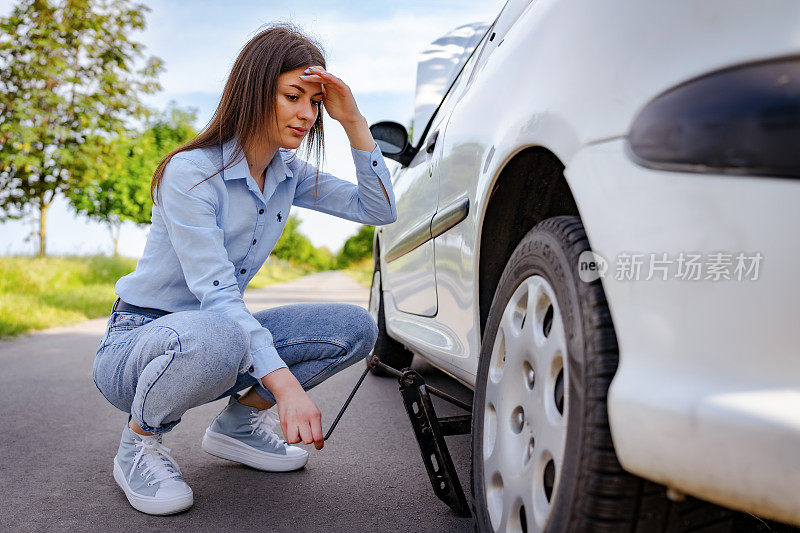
{"points": [[336, 95]]}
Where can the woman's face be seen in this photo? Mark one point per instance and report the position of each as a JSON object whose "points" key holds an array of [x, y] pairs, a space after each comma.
{"points": [[296, 108]]}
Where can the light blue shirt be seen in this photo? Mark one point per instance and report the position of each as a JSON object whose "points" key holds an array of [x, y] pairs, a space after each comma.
{"points": [[207, 241]]}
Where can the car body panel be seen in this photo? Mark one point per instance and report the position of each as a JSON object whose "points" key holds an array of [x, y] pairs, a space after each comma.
{"points": [[708, 410], [706, 397], [585, 103]]}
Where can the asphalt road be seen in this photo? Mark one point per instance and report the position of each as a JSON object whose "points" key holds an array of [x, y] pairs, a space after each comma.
{"points": [[58, 437]]}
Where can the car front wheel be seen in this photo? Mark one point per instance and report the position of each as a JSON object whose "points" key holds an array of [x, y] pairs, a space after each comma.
{"points": [[542, 454]]}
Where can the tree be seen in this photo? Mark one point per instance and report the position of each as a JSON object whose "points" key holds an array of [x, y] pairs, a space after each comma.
{"points": [[121, 190], [356, 247], [69, 87]]}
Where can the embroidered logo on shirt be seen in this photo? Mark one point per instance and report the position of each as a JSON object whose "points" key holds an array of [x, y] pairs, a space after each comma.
{"points": [[279, 216]]}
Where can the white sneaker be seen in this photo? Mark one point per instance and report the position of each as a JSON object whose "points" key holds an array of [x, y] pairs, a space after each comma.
{"points": [[246, 435], [149, 476]]}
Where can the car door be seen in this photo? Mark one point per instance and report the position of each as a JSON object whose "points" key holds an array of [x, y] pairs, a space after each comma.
{"points": [[408, 274], [407, 257]]}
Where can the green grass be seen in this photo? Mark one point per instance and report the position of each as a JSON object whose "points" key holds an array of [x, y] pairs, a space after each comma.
{"points": [[275, 270], [38, 293], [361, 271]]}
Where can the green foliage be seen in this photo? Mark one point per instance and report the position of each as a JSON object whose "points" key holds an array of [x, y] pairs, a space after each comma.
{"points": [[121, 190], [361, 271], [69, 89], [356, 248], [295, 247]]}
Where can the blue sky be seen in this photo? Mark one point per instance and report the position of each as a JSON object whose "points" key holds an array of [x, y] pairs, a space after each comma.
{"points": [[372, 46]]}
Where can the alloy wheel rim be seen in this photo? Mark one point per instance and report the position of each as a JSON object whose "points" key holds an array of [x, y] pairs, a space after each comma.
{"points": [[525, 410]]}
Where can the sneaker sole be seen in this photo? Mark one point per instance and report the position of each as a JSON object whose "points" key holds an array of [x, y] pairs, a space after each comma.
{"points": [[231, 449], [151, 504]]}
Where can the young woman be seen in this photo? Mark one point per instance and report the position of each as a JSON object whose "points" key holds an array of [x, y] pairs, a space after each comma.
{"points": [[179, 334]]}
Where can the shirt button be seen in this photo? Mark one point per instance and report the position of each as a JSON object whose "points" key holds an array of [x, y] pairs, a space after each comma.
{"points": [[243, 271], [374, 163], [251, 369], [260, 211], [216, 283], [254, 241]]}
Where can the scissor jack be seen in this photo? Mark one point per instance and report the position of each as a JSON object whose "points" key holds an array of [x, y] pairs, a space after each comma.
{"points": [[429, 430]]}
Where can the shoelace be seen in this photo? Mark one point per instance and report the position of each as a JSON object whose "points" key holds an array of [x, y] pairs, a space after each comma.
{"points": [[156, 460], [264, 424]]}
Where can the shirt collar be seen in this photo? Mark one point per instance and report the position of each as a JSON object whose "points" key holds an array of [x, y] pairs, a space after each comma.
{"points": [[240, 169]]}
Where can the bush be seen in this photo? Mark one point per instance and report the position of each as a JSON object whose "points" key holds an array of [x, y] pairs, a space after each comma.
{"points": [[356, 248], [295, 247]]}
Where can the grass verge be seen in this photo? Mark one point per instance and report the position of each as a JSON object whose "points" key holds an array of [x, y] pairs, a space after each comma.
{"points": [[276, 270], [38, 293], [361, 271]]}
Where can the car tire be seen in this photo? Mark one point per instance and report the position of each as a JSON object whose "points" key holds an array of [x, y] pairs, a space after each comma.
{"points": [[520, 480], [389, 350]]}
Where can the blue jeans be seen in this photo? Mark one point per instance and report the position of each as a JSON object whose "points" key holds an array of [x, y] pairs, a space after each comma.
{"points": [[158, 368]]}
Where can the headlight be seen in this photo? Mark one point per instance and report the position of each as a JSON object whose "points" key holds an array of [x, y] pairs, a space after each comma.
{"points": [[740, 120]]}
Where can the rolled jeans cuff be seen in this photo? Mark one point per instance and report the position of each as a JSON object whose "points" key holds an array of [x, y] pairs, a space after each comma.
{"points": [[156, 430], [264, 392]]}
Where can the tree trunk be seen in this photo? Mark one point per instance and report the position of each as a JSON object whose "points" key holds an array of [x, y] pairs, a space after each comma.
{"points": [[115, 229], [43, 206]]}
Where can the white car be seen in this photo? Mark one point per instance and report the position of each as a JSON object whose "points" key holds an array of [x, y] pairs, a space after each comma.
{"points": [[597, 232]]}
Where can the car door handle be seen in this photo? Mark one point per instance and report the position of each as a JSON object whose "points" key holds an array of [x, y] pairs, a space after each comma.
{"points": [[432, 142]]}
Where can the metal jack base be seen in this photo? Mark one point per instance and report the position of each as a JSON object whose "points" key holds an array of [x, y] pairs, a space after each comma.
{"points": [[429, 430]]}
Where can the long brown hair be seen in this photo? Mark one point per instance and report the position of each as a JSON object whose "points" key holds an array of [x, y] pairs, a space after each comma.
{"points": [[248, 100]]}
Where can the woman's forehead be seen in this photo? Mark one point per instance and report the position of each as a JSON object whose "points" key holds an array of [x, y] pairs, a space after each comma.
{"points": [[291, 79]]}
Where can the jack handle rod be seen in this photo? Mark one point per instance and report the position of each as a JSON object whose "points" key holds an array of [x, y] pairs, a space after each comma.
{"points": [[346, 403], [376, 362]]}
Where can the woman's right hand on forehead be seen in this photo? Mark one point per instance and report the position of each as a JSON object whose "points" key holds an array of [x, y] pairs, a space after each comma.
{"points": [[338, 98]]}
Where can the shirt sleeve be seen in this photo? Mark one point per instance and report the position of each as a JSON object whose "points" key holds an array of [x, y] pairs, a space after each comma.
{"points": [[190, 214], [364, 202]]}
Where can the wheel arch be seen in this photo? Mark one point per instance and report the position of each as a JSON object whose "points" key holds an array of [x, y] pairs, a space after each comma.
{"points": [[534, 168]]}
